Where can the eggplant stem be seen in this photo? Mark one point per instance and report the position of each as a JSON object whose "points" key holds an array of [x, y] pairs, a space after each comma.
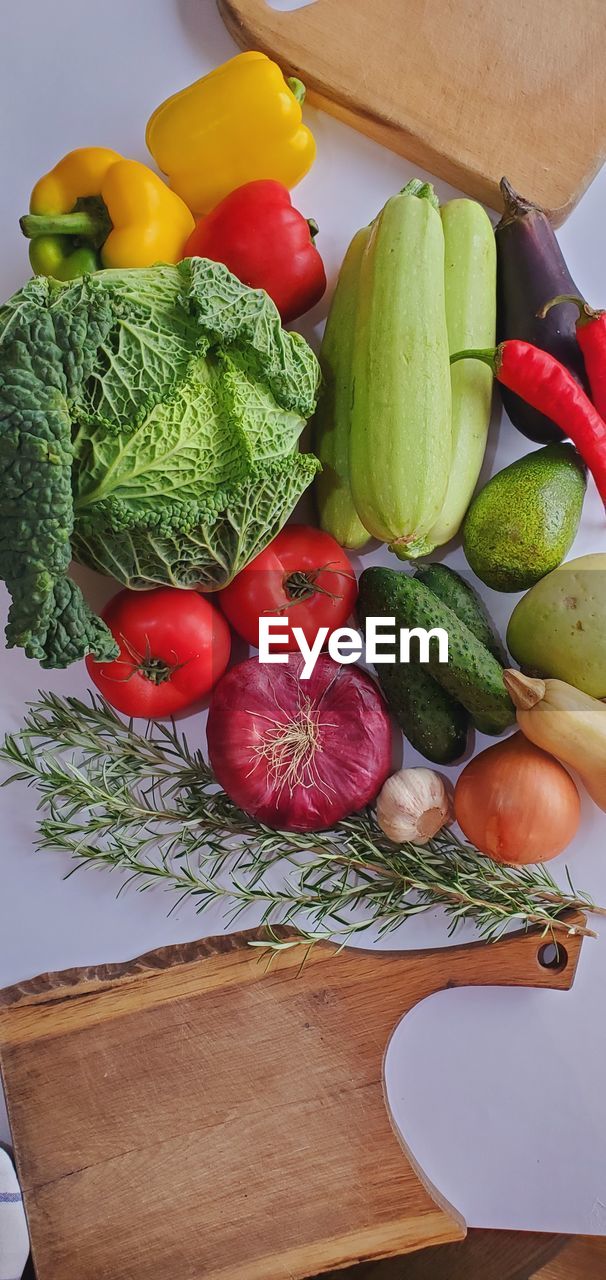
{"points": [[515, 205]]}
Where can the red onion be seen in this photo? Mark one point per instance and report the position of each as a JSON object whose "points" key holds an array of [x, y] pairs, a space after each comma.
{"points": [[297, 754]]}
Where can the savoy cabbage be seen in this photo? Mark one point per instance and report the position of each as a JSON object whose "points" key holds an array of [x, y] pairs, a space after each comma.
{"points": [[149, 421]]}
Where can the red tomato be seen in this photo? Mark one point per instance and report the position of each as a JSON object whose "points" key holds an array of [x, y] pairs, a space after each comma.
{"points": [[174, 646], [303, 576]]}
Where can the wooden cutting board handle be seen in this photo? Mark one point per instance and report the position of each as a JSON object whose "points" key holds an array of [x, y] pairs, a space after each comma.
{"points": [[468, 92], [193, 1113]]}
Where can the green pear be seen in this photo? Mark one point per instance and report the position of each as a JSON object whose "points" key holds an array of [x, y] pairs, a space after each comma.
{"points": [[558, 628]]}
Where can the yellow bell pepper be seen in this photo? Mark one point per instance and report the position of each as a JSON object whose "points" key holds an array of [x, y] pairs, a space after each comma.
{"points": [[241, 122], [95, 208]]}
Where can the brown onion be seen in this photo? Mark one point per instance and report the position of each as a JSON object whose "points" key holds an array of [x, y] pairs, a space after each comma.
{"points": [[516, 803], [297, 754]]}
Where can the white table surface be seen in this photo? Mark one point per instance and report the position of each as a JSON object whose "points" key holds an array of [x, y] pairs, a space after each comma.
{"points": [[499, 1092]]}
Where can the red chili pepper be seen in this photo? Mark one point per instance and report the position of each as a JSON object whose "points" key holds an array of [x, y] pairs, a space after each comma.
{"points": [[591, 337], [266, 243], [546, 385]]}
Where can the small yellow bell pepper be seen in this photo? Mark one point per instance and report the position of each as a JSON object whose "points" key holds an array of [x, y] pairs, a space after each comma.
{"points": [[241, 122], [97, 209]]}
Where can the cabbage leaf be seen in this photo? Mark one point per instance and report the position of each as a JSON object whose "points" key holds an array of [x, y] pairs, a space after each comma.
{"points": [[149, 422]]}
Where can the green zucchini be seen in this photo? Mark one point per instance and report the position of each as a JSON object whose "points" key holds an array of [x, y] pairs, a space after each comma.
{"points": [[400, 446], [434, 724], [472, 676], [332, 423], [454, 591], [470, 278]]}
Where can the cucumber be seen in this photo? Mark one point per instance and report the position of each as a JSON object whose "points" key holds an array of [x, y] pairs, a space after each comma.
{"points": [[454, 591], [470, 280], [332, 423], [400, 446], [434, 724], [472, 675]]}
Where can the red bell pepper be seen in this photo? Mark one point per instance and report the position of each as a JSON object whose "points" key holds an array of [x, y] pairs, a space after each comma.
{"points": [[265, 243]]}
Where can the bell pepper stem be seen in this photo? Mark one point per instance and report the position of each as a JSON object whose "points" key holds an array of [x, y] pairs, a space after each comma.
{"points": [[94, 227], [297, 88], [488, 355], [586, 313]]}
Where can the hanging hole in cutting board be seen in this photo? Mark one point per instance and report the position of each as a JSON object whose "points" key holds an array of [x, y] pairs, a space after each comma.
{"points": [[287, 6], [553, 956]]}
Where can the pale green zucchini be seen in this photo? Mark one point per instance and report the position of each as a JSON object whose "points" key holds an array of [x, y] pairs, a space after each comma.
{"points": [[332, 422], [470, 277], [400, 448]]}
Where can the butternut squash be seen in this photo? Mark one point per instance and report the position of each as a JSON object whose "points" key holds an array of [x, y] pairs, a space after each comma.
{"points": [[566, 722]]}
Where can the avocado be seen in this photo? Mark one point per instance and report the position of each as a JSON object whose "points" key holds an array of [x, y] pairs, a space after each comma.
{"points": [[558, 628], [524, 521]]}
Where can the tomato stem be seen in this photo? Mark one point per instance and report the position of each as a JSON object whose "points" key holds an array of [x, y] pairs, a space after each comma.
{"points": [[157, 670], [303, 583], [300, 585]]}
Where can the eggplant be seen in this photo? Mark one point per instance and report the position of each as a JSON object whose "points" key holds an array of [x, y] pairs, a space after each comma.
{"points": [[530, 271]]}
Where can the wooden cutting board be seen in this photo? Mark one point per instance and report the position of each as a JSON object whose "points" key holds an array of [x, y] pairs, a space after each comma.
{"points": [[195, 1114], [467, 91]]}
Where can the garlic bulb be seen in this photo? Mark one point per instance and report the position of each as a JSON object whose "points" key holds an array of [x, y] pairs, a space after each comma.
{"points": [[413, 805]]}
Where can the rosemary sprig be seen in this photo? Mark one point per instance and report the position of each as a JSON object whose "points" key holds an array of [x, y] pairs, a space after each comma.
{"points": [[148, 805]]}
